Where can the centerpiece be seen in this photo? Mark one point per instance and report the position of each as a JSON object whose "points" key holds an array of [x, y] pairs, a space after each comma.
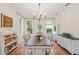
{"points": [[39, 37]]}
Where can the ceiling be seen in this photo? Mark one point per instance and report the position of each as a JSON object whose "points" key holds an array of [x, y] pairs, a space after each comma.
{"points": [[27, 9]]}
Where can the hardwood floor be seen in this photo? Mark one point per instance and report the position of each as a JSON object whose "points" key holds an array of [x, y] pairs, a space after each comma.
{"points": [[20, 50], [56, 50]]}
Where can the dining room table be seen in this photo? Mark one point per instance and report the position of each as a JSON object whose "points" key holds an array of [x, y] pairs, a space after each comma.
{"points": [[38, 47]]}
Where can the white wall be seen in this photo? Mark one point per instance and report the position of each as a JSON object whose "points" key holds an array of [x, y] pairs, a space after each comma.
{"points": [[68, 19], [7, 10]]}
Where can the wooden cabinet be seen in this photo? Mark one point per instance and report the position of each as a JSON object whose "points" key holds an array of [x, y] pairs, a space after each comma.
{"points": [[10, 43]]}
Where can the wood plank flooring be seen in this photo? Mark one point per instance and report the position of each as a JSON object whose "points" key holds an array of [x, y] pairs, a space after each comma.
{"points": [[56, 50], [20, 50]]}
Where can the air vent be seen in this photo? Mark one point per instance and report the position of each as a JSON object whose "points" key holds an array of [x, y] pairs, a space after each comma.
{"points": [[67, 4]]}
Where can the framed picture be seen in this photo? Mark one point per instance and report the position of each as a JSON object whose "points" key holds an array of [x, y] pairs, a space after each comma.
{"points": [[6, 21]]}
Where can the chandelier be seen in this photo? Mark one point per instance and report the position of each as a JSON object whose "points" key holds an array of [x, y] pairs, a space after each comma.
{"points": [[40, 15]]}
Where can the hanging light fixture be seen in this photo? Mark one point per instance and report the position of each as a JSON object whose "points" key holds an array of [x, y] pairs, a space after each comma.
{"points": [[40, 15]]}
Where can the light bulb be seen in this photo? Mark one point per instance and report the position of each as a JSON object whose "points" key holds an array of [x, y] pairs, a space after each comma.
{"points": [[40, 13], [44, 14], [34, 14]]}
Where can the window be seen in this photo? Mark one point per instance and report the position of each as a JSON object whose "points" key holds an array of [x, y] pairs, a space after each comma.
{"points": [[49, 26], [54, 28], [49, 30], [29, 27]]}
